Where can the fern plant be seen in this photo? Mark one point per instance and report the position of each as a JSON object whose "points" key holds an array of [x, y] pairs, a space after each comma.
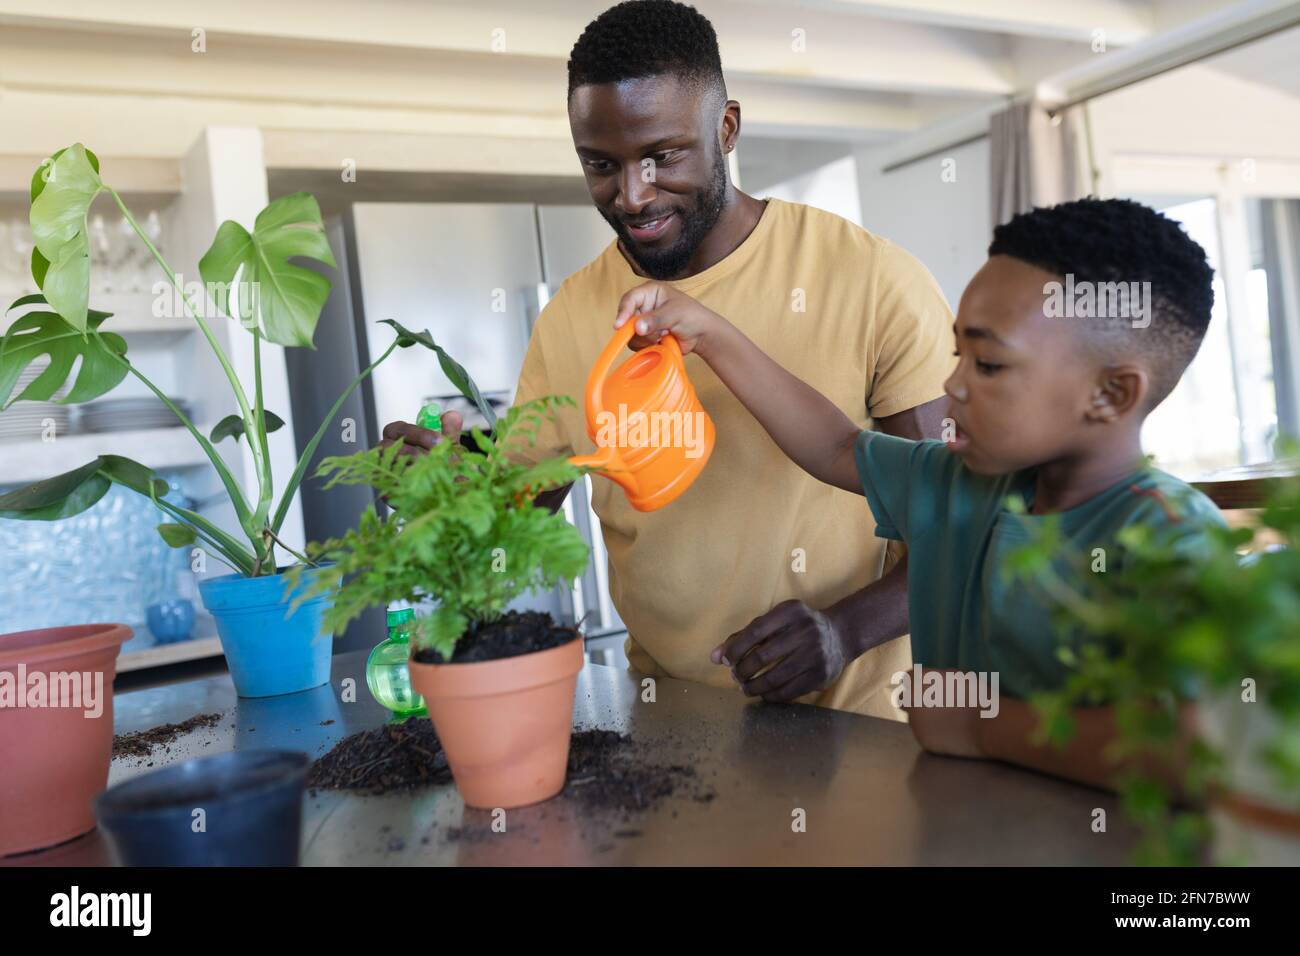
{"points": [[463, 531]]}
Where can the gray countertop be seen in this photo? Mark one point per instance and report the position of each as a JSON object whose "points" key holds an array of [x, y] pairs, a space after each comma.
{"points": [[869, 795]]}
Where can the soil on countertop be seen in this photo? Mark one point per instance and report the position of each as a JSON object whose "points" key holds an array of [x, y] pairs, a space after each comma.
{"points": [[143, 743], [514, 633], [607, 771], [391, 758], [610, 771]]}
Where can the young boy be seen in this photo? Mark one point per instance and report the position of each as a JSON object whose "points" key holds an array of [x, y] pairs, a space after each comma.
{"points": [[1079, 324]]}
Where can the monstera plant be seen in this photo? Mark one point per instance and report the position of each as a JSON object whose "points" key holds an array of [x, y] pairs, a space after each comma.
{"points": [[248, 277]]}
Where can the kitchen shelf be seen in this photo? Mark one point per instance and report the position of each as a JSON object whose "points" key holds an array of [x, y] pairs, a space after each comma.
{"points": [[130, 326], [132, 314], [149, 326], [158, 448], [162, 654], [136, 179], [135, 310]]}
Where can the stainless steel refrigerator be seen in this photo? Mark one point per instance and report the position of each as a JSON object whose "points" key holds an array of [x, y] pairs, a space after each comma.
{"points": [[476, 276]]}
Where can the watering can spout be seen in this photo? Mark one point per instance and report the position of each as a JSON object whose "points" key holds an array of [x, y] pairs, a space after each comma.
{"points": [[603, 458], [653, 383], [606, 462]]}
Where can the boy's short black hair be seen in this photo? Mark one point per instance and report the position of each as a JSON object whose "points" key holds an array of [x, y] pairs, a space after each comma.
{"points": [[642, 38], [1120, 241]]}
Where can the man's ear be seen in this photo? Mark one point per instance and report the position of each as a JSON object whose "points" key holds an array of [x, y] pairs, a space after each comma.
{"points": [[1119, 389], [730, 131]]}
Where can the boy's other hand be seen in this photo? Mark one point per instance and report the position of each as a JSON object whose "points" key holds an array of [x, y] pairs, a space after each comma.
{"points": [[659, 309], [416, 440], [950, 731]]}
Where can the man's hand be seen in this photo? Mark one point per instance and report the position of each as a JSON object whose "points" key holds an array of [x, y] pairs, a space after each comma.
{"points": [[950, 731], [416, 440], [790, 651], [660, 309]]}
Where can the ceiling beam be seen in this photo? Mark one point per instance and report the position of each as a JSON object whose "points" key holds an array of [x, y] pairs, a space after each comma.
{"points": [[790, 43], [1193, 42], [1124, 21]]}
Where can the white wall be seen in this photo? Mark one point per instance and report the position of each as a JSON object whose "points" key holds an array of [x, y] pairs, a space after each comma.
{"points": [[1194, 112], [765, 161], [945, 224], [833, 187], [225, 178]]}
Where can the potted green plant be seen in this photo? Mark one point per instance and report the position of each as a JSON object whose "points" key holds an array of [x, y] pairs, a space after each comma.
{"points": [[1198, 651], [465, 534], [248, 277]]}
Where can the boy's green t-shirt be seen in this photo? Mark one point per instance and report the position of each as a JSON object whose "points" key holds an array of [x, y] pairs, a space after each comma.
{"points": [[959, 532]]}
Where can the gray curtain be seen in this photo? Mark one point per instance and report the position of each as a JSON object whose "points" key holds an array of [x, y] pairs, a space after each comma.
{"points": [[1280, 224], [1036, 160]]}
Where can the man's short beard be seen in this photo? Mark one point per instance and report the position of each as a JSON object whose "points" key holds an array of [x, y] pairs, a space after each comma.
{"points": [[696, 223]]}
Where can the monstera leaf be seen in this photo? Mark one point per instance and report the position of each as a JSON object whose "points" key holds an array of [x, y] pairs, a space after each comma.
{"points": [[62, 496], [74, 491], [283, 299], [131, 474], [45, 333], [232, 426], [454, 371], [62, 192]]}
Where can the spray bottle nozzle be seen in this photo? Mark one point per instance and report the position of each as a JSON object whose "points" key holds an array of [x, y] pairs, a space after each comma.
{"points": [[430, 417]]}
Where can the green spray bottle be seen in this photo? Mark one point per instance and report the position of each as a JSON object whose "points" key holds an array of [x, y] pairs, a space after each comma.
{"points": [[388, 674]]}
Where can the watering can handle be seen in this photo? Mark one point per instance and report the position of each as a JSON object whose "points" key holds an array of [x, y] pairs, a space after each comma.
{"points": [[606, 456], [605, 361]]}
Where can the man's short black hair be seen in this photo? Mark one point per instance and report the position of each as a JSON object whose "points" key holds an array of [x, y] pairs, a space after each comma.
{"points": [[642, 38], [1105, 241]]}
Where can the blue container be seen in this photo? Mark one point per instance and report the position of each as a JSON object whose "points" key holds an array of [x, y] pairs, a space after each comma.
{"points": [[235, 809], [171, 621], [269, 650]]}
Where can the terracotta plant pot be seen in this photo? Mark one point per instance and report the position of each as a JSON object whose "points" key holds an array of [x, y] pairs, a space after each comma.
{"points": [[504, 724], [55, 758], [1256, 819]]}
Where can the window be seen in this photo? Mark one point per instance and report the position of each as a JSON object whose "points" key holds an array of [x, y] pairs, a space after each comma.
{"points": [[1238, 397]]}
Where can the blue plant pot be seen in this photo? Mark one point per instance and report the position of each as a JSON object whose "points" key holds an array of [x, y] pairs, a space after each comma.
{"points": [[251, 804], [269, 650]]}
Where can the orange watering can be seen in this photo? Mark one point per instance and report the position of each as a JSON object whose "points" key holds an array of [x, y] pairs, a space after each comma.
{"points": [[652, 435]]}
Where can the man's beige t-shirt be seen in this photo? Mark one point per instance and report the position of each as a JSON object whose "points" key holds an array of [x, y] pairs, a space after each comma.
{"points": [[856, 317]]}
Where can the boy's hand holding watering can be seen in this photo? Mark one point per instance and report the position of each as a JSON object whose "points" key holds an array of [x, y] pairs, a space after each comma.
{"points": [[658, 308]]}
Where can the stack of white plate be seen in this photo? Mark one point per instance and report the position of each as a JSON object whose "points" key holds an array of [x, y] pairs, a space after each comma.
{"points": [[30, 421], [129, 414]]}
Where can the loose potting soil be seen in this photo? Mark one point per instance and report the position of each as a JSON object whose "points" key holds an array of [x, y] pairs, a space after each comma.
{"points": [[607, 771], [394, 757], [143, 743], [610, 771], [514, 633]]}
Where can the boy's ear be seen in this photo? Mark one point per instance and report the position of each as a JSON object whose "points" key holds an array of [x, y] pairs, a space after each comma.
{"points": [[1119, 390]]}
